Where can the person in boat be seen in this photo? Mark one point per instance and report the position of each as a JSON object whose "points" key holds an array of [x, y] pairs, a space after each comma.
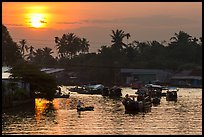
{"points": [[127, 98], [79, 103]]}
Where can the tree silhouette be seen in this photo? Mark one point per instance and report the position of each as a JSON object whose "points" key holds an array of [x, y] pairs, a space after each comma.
{"points": [[30, 54], [38, 80], [180, 39], [84, 45], [117, 39], [43, 57], [69, 45], [127, 36], [10, 50], [23, 46]]}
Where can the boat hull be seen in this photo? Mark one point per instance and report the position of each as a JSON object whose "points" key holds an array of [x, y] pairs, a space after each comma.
{"points": [[90, 108]]}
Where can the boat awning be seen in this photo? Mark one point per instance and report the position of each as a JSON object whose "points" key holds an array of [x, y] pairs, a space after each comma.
{"points": [[51, 70], [153, 86]]}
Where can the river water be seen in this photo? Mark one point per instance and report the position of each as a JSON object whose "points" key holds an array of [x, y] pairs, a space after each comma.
{"points": [[60, 117]]}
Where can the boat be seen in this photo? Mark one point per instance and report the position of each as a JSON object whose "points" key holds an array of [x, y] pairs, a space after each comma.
{"points": [[136, 85], [88, 108], [132, 105], [62, 96], [105, 91], [115, 92], [154, 90], [91, 89], [58, 94], [156, 100], [76, 88], [171, 94], [112, 92]]}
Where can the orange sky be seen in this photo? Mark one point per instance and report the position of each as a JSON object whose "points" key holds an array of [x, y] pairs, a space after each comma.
{"points": [[95, 20]]}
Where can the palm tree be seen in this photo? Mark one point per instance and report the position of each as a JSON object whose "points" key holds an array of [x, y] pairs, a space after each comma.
{"points": [[38, 56], [68, 45], [48, 58], [103, 49], [117, 39], [23, 46], [47, 51], [181, 38], [11, 53], [31, 53], [127, 36], [84, 45]]}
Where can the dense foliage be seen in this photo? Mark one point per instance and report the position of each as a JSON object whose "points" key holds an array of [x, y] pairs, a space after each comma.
{"points": [[10, 51], [182, 52], [40, 82]]}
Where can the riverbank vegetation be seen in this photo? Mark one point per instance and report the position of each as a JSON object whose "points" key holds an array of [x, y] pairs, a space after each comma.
{"points": [[41, 84], [181, 53]]}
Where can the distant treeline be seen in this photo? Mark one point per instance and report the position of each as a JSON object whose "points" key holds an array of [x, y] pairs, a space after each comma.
{"points": [[182, 52]]}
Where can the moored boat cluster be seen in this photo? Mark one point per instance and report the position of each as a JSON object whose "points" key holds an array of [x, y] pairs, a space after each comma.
{"points": [[148, 96], [144, 98]]}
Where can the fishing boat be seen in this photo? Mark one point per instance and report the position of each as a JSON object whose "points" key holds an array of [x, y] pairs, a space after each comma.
{"points": [[77, 89], [171, 94], [156, 100], [88, 108], [132, 105], [91, 89], [113, 92]]}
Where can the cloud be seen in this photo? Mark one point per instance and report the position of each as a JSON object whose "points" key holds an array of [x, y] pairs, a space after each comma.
{"points": [[156, 20], [68, 22], [15, 25]]}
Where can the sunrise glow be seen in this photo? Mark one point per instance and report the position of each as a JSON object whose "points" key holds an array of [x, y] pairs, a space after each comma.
{"points": [[37, 20]]}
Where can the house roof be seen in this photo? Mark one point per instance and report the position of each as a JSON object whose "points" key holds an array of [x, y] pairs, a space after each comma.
{"points": [[5, 73], [187, 77], [188, 74], [51, 70], [141, 71]]}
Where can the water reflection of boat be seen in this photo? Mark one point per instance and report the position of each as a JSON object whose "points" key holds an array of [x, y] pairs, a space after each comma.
{"points": [[89, 108]]}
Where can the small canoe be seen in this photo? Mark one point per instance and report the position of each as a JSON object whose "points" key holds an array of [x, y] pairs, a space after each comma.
{"points": [[90, 108]]}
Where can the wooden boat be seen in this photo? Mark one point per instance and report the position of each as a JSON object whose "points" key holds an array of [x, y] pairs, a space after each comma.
{"points": [[136, 106], [156, 100], [105, 92], [113, 92], [60, 95], [154, 90], [76, 88], [92, 89], [88, 108], [171, 94], [136, 85]]}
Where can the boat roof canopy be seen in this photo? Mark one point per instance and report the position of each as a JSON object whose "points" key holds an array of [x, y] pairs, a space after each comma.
{"points": [[153, 86]]}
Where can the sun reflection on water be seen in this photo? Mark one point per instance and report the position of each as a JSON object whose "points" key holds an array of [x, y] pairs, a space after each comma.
{"points": [[40, 107]]}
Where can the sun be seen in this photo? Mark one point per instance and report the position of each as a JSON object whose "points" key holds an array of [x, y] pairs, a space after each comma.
{"points": [[37, 20]]}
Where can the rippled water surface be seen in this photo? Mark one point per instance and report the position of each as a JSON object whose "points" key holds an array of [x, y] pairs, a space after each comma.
{"points": [[60, 117]]}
